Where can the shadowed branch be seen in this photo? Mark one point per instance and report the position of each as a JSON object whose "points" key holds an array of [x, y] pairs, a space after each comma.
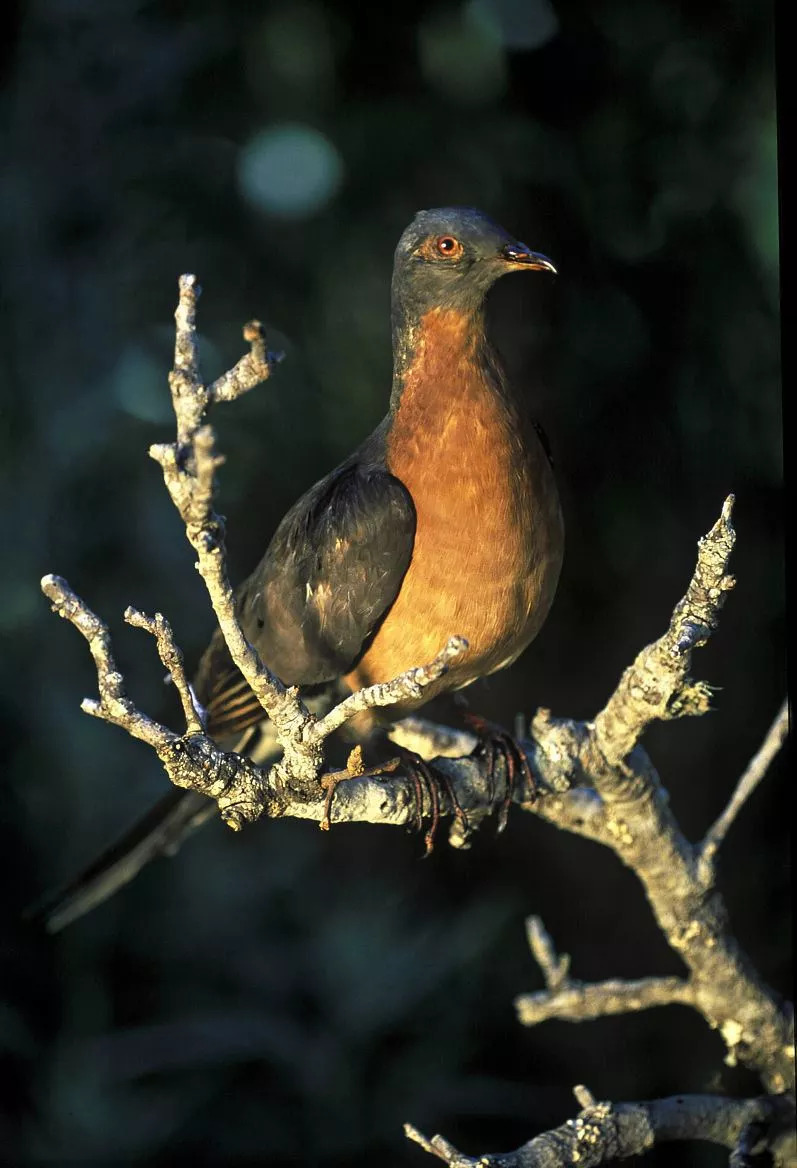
{"points": [[605, 1132], [577, 1001]]}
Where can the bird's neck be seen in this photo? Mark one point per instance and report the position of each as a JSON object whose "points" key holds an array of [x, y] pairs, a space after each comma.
{"points": [[434, 349], [450, 398]]}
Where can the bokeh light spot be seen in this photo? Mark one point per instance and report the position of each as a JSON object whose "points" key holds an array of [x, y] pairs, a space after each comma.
{"points": [[289, 170]]}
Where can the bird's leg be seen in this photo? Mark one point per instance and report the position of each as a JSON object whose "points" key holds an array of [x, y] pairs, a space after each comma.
{"points": [[497, 743], [484, 732], [421, 776]]}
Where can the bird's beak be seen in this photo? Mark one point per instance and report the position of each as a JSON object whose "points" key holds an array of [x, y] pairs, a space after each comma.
{"points": [[518, 255]]}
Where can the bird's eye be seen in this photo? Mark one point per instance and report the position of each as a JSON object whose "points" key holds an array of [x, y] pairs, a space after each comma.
{"points": [[449, 247]]}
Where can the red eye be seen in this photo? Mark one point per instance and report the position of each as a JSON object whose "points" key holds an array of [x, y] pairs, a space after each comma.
{"points": [[449, 247]]}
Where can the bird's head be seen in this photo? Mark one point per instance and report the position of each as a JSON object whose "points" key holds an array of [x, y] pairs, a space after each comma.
{"points": [[450, 256]]}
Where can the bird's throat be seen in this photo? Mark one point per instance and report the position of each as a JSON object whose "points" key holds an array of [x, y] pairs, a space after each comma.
{"points": [[434, 353]]}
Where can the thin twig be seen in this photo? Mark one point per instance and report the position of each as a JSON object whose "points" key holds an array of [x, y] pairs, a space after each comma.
{"points": [[171, 656], [583, 1096], [250, 371], [755, 771], [113, 704], [578, 1001], [441, 1148], [407, 686], [554, 967]]}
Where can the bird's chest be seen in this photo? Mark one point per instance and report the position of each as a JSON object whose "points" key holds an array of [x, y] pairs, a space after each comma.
{"points": [[482, 563], [467, 471]]}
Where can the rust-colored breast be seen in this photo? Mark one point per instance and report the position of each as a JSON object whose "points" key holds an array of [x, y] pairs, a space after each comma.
{"points": [[488, 542]]}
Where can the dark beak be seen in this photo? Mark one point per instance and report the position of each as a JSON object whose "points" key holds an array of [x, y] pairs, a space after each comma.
{"points": [[519, 255]]}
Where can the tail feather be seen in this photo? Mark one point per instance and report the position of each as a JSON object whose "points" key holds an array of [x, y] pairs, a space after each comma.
{"points": [[232, 713], [158, 833], [232, 708]]}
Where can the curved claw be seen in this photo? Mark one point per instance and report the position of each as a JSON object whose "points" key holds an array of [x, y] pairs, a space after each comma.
{"points": [[434, 784], [496, 742]]}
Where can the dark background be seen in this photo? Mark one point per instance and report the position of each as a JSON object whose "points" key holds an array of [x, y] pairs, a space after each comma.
{"points": [[284, 995]]}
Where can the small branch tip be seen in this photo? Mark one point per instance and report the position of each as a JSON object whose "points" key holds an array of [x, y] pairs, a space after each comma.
{"points": [[583, 1096], [417, 1137], [254, 331]]}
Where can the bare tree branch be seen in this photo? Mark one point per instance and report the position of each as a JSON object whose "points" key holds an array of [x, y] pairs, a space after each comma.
{"points": [[250, 371], [604, 1132], [408, 687], [583, 1096], [577, 1001], [555, 967], [758, 1028], [243, 790], [657, 685], [113, 704], [171, 656]]}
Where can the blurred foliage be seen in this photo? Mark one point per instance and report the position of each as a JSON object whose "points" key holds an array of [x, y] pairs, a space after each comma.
{"points": [[288, 995]]}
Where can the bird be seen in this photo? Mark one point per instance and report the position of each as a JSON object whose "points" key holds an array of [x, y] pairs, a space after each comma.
{"points": [[445, 521]]}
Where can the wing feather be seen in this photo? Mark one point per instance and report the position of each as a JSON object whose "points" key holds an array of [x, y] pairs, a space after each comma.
{"points": [[329, 576]]}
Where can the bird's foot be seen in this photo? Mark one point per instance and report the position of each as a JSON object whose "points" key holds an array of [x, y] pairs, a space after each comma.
{"points": [[355, 769], [429, 787], [436, 788], [495, 743]]}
